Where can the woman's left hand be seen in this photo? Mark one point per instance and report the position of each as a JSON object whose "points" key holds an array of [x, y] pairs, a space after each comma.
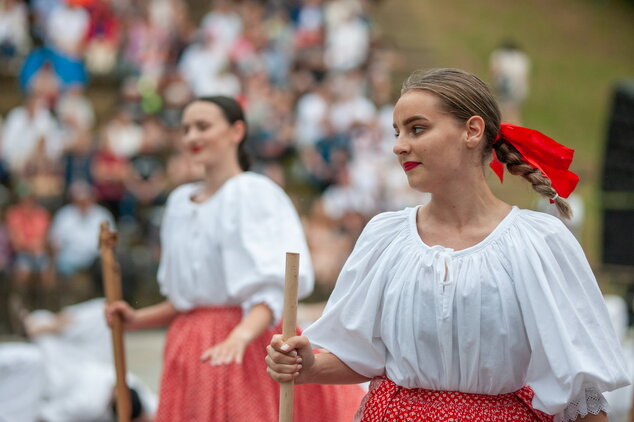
{"points": [[231, 350]]}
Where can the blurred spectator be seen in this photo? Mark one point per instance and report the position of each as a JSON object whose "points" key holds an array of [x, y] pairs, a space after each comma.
{"points": [[222, 24], [510, 67], [103, 38], [25, 127], [74, 234], [147, 45], [28, 225], [347, 36], [67, 27], [14, 33]]}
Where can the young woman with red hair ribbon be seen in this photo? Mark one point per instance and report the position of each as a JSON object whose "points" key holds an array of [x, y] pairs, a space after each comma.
{"points": [[466, 308]]}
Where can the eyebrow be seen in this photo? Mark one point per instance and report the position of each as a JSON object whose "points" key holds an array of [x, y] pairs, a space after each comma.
{"points": [[411, 119]]}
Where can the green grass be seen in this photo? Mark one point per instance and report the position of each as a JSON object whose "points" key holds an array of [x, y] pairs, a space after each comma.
{"points": [[579, 50]]}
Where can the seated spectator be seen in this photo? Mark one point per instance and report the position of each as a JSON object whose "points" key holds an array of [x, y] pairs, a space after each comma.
{"points": [[27, 225], [103, 37], [25, 127], [14, 33], [74, 234]]}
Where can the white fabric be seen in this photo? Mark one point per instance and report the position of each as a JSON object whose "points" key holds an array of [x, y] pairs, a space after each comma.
{"points": [[79, 369], [520, 307], [310, 112], [21, 134], [76, 235], [67, 27], [347, 44], [21, 382], [231, 249], [14, 25], [590, 401]]}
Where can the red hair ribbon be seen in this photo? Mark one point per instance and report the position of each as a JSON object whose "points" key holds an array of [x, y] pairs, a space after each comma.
{"points": [[541, 152]]}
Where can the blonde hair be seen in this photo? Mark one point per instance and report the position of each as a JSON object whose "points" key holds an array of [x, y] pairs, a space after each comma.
{"points": [[463, 95]]}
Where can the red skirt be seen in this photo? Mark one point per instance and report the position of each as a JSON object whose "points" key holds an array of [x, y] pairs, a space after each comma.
{"points": [[387, 402], [192, 391]]}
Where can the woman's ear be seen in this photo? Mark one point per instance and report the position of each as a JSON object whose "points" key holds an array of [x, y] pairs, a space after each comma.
{"points": [[238, 130], [475, 131]]}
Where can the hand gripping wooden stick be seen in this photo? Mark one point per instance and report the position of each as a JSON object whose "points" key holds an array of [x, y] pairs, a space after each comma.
{"points": [[112, 287], [289, 319]]}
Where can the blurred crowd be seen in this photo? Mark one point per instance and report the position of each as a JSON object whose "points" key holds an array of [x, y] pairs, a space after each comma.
{"points": [[314, 76]]}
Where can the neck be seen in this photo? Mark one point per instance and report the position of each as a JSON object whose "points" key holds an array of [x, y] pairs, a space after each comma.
{"points": [[463, 203], [215, 177]]}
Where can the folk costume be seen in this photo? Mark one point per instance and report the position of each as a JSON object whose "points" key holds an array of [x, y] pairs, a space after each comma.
{"points": [[220, 258]]}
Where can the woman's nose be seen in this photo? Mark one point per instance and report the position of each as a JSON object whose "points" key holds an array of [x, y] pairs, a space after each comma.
{"points": [[401, 146]]}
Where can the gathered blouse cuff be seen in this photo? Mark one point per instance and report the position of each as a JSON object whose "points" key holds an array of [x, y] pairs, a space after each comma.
{"points": [[590, 401], [269, 297]]}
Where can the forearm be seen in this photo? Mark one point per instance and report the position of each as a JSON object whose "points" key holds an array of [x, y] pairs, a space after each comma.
{"points": [[601, 417], [329, 369], [253, 324], [158, 315]]}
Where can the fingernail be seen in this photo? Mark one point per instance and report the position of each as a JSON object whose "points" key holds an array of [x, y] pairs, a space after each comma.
{"points": [[299, 367], [299, 360], [296, 374], [285, 347], [294, 353]]}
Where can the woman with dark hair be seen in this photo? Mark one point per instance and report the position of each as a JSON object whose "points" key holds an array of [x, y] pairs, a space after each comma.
{"points": [[222, 269], [466, 308]]}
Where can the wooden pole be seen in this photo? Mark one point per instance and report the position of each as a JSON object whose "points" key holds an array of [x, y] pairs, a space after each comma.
{"points": [[112, 288], [289, 319]]}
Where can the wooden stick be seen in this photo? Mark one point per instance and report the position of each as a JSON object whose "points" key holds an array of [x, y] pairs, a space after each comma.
{"points": [[289, 327], [112, 288]]}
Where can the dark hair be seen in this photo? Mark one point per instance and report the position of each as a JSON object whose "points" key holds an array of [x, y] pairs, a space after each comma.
{"points": [[463, 95], [233, 112]]}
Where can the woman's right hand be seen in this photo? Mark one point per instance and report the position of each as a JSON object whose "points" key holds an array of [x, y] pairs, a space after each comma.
{"points": [[119, 307], [289, 360]]}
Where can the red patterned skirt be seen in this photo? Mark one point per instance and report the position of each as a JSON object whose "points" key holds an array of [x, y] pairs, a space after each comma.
{"points": [[387, 402], [192, 391]]}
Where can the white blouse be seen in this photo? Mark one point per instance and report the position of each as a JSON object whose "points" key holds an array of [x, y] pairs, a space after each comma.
{"points": [[520, 307], [231, 249]]}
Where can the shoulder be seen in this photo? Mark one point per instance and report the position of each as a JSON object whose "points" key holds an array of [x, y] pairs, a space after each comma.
{"points": [[254, 189], [388, 225], [540, 224]]}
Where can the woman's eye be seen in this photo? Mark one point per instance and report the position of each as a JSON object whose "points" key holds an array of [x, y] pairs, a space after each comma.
{"points": [[396, 134], [416, 130]]}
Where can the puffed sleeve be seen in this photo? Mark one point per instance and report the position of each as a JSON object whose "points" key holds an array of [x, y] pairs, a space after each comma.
{"points": [[259, 225], [575, 353], [350, 326]]}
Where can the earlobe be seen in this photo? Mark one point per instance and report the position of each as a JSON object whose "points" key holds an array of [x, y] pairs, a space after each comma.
{"points": [[475, 131]]}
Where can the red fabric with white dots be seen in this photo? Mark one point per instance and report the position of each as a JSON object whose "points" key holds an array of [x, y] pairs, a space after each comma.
{"points": [[192, 391], [387, 402]]}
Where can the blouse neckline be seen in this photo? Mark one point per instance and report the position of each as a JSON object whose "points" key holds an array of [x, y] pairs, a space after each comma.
{"points": [[195, 188], [495, 233]]}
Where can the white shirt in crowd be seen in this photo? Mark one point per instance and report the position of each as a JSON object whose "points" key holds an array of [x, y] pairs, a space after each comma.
{"points": [[521, 307], [21, 134], [67, 27], [14, 26], [76, 234], [231, 248], [344, 114], [311, 110], [347, 44]]}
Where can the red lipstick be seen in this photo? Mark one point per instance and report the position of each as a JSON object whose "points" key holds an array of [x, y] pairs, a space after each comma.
{"points": [[408, 165], [196, 149]]}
